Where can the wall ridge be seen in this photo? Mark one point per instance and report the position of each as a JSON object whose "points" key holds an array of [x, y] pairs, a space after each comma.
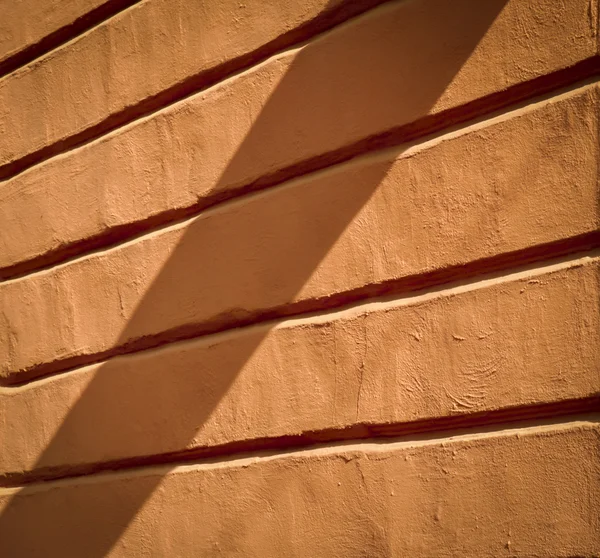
{"points": [[192, 85], [577, 251], [85, 22], [522, 96], [535, 417]]}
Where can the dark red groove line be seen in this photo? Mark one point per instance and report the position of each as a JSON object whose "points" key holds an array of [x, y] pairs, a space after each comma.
{"points": [[193, 84], [423, 429], [441, 278], [196, 83], [356, 433], [485, 107], [64, 34]]}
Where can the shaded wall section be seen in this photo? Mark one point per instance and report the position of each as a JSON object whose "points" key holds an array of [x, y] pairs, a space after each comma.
{"points": [[301, 279]]}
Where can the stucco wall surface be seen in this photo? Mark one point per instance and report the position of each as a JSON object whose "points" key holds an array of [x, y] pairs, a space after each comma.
{"points": [[285, 278]]}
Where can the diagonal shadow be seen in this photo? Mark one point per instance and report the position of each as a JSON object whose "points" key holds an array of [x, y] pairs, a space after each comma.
{"points": [[274, 243]]}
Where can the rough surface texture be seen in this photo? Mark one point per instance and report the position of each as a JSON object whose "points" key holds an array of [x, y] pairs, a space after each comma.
{"points": [[25, 23], [285, 278], [304, 104], [98, 74], [529, 492], [396, 215], [457, 352]]}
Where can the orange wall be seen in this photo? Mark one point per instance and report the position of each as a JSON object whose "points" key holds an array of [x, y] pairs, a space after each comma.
{"points": [[284, 278]]}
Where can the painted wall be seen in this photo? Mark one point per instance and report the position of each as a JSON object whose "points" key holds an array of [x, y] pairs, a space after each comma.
{"points": [[284, 278]]}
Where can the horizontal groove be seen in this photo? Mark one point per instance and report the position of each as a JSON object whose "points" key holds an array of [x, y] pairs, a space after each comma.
{"points": [[421, 130], [192, 85], [413, 431], [64, 34], [473, 271]]}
